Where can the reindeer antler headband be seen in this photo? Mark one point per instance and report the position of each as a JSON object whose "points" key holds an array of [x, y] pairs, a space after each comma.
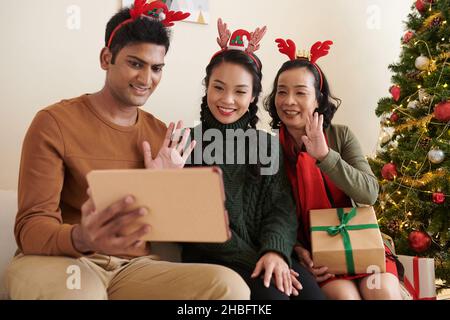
{"points": [[242, 40], [156, 10], [317, 51]]}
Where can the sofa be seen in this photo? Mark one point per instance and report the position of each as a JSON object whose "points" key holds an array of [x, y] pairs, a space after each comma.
{"points": [[8, 246], [8, 209]]}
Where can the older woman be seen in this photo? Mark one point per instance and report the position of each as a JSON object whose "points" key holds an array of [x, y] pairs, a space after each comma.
{"points": [[324, 162]]}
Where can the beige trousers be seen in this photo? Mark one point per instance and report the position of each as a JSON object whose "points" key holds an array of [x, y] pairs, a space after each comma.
{"points": [[104, 277]]}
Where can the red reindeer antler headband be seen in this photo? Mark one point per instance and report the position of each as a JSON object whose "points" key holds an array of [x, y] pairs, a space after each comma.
{"points": [[156, 9], [317, 51], [242, 40]]}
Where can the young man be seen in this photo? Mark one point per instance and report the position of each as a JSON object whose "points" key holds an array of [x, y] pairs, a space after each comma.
{"points": [[59, 233]]}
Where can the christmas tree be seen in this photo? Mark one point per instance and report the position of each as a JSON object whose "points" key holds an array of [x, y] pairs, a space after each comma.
{"points": [[413, 158]]}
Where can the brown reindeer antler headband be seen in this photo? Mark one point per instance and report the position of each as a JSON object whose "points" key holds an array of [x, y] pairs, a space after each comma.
{"points": [[318, 50], [240, 40], [157, 10]]}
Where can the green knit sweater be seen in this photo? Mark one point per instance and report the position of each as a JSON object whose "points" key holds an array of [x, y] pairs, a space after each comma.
{"points": [[261, 209]]}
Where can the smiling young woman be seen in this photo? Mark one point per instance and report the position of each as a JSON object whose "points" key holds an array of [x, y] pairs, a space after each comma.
{"points": [[230, 92], [260, 207]]}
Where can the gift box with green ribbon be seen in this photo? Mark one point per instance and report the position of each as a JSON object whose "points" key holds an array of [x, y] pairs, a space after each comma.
{"points": [[347, 241]]}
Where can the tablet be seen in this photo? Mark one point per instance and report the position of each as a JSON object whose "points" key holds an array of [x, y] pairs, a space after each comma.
{"points": [[184, 205]]}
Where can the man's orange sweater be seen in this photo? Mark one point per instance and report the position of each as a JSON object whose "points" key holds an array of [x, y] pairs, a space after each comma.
{"points": [[65, 142]]}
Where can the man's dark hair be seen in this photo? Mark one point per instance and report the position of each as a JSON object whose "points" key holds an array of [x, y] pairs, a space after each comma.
{"points": [[142, 30], [328, 104]]}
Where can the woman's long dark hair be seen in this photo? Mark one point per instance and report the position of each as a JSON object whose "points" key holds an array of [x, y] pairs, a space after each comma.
{"points": [[243, 59], [328, 104]]}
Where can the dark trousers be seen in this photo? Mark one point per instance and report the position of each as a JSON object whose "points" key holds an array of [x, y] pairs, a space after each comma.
{"points": [[310, 291]]}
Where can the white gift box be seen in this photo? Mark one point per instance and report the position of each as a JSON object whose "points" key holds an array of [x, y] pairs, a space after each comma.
{"points": [[419, 278]]}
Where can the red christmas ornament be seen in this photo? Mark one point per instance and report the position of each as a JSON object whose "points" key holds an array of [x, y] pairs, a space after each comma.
{"points": [[408, 36], [421, 5], [438, 198], [389, 171], [419, 241], [396, 92], [442, 111], [394, 117]]}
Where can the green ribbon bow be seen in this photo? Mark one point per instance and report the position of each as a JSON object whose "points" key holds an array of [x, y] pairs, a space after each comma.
{"points": [[343, 229]]}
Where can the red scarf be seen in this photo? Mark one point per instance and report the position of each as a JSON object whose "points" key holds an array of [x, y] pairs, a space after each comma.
{"points": [[308, 185]]}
